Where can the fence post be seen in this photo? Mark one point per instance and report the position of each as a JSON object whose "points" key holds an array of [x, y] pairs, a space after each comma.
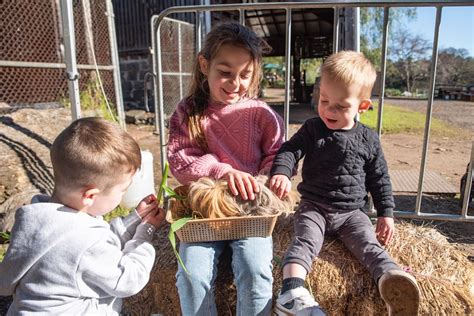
{"points": [[67, 18], [115, 64]]}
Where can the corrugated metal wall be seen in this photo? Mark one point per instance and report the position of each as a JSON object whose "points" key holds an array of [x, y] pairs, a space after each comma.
{"points": [[132, 20]]}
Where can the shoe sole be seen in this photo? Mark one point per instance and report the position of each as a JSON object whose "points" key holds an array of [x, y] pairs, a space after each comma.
{"points": [[401, 294]]}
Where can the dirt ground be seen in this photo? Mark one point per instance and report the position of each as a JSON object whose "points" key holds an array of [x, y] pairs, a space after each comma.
{"points": [[26, 135]]}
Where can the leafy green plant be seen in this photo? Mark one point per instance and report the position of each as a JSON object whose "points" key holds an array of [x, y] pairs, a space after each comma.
{"points": [[5, 237], [3, 251], [164, 188], [390, 92], [92, 98]]}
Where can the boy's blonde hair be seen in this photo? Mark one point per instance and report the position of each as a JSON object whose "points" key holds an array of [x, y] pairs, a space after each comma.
{"points": [[349, 67], [92, 152]]}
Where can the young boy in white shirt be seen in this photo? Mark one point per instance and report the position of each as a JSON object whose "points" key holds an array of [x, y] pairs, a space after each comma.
{"points": [[63, 258]]}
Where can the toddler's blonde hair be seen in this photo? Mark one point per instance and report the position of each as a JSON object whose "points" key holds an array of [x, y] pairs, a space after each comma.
{"points": [[349, 67]]}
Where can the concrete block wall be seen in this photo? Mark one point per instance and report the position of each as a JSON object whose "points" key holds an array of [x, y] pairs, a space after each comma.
{"points": [[132, 72]]}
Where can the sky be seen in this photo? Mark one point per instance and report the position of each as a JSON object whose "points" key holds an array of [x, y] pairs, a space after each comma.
{"points": [[456, 30]]}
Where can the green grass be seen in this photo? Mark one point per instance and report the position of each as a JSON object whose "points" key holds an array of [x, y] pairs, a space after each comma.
{"points": [[116, 212], [3, 250], [4, 239], [92, 99], [397, 120]]}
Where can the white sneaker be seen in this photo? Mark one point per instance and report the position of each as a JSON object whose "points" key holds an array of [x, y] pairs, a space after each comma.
{"points": [[298, 302], [400, 293]]}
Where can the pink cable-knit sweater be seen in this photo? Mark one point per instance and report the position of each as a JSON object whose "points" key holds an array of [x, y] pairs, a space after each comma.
{"points": [[245, 136]]}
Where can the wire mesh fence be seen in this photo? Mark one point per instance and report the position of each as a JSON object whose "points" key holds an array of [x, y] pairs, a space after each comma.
{"points": [[178, 53], [32, 68]]}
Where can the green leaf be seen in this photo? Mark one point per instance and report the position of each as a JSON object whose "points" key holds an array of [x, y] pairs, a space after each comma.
{"points": [[163, 182], [5, 236], [172, 194], [174, 227]]}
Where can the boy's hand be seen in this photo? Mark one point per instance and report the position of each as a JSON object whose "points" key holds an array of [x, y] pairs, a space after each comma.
{"points": [[155, 217], [243, 183], [147, 205], [280, 185], [385, 230]]}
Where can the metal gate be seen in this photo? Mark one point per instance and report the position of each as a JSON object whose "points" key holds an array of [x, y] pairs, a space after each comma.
{"points": [[157, 24]]}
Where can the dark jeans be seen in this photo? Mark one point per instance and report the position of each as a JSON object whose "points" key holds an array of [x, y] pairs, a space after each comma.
{"points": [[354, 228]]}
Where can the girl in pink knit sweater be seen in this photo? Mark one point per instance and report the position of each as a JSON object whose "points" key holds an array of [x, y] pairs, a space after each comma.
{"points": [[222, 131]]}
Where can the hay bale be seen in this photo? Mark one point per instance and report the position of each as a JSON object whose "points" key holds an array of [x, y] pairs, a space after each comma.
{"points": [[160, 295], [341, 285]]}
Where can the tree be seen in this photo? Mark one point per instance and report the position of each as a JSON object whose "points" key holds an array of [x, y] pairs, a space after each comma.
{"points": [[409, 54], [455, 67], [371, 20]]}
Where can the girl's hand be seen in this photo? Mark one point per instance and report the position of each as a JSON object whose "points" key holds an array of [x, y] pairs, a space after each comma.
{"points": [[155, 217], [385, 230], [243, 183], [147, 205], [280, 185]]}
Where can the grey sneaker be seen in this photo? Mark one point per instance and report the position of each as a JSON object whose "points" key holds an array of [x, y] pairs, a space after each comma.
{"points": [[298, 302], [400, 293]]}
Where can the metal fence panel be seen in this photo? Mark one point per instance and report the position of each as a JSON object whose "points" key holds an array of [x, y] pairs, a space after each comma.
{"points": [[32, 68]]}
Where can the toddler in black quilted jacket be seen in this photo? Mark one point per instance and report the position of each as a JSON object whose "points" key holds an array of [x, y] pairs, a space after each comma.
{"points": [[343, 161]]}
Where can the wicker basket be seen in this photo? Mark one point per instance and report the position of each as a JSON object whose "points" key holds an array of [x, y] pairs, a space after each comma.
{"points": [[199, 230]]}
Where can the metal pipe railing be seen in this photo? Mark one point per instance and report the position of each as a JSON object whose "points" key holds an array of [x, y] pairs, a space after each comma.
{"points": [[468, 186], [335, 33], [32, 64], [115, 63], [383, 69], [148, 75], [429, 111], [70, 57], [286, 106]]}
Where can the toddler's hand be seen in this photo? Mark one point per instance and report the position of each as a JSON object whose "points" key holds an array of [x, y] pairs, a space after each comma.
{"points": [[280, 185], [155, 217], [385, 230], [243, 183], [147, 205]]}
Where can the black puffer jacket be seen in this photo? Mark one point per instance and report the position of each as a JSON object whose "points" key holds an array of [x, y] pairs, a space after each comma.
{"points": [[340, 166]]}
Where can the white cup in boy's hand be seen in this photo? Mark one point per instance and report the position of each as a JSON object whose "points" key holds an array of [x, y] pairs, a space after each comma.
{"points": [[147, 205]]}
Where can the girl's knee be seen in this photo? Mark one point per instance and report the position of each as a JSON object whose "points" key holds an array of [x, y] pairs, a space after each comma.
{"points": [[254, 266]]}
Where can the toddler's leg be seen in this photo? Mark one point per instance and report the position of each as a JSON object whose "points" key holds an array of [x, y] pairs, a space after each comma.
{"points": [[309, 227], [252, 266], [358, 234], [294, 298], [196, 289]]}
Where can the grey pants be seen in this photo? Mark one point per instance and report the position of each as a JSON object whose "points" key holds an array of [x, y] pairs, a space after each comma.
{"points": [[353, 228]]}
